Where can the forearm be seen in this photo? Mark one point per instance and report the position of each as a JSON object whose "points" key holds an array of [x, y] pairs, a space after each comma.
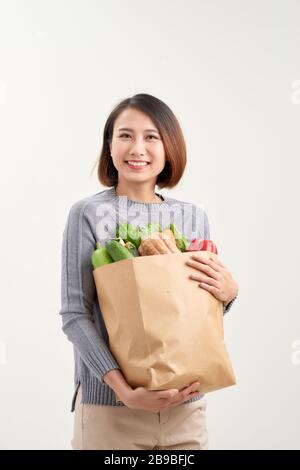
{"points": [[116, 380], [78, 294], [81, 331]]}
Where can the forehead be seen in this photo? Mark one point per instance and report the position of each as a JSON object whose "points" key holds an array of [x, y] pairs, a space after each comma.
{"points": [[134, 119]]}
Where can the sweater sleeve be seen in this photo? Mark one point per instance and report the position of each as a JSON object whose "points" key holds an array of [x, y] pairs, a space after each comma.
{"points": [[207, 237], [78, 292]]}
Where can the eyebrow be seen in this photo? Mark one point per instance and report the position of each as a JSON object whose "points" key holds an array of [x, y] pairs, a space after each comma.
{"points": [[131, 130]]}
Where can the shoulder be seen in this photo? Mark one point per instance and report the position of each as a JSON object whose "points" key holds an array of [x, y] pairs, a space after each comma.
{"points": [[89, 204], [195, 209], [84, 212], [194, 214]]}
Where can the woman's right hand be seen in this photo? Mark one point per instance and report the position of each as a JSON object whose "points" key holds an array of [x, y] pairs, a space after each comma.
{"points": [[151, 400]]}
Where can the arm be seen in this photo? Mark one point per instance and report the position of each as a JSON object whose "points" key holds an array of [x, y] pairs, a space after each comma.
{"points": [[149, 400], [116, 381], [78, 292], [228, 305]]}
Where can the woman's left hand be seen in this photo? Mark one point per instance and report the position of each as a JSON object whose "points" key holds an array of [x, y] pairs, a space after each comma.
{"points": [[215, 277]]}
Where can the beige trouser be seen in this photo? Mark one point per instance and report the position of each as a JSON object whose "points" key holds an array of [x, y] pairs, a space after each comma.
{"points": [[119, 427]]}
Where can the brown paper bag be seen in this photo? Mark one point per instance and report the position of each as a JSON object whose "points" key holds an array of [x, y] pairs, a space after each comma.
{"points": [[164, 330]]}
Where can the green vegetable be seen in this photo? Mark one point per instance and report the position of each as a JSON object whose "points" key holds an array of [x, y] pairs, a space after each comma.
{"points": [[100, 256], [119, 239], [129, 233], [122, 231], [181, 241], [132, 248], [152, 227], [134, 235], [117, 251]]}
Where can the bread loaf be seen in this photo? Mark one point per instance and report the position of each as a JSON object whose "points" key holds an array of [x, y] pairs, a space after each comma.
{"points": [[168, 238], [158, 243]]}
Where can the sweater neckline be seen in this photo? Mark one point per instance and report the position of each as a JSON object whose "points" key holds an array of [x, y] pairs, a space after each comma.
{"points": [[125, 202]]}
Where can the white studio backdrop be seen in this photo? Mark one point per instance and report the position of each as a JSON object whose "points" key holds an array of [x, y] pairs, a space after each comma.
{"points": [[230, 71]]}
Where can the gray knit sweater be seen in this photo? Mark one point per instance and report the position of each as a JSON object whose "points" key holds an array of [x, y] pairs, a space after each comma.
{"points": [[92, 219]]}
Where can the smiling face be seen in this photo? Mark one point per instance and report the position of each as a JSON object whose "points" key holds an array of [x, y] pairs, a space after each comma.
{"points": [[136, 138]]}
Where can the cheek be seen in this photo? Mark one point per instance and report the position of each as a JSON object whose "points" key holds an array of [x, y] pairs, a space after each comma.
{"points": [[158, 165], [119, 152], [120, 148], [162, 163], [160, 160]]}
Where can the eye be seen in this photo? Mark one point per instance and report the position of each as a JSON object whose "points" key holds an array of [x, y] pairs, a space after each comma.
{"points": [[122, 135]]}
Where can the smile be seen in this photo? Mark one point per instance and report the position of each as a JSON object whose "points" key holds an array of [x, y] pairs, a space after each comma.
{"points": [[138, 165]]}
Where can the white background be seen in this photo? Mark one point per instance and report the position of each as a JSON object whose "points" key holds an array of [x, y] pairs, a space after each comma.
{"points": [[230, 71]]}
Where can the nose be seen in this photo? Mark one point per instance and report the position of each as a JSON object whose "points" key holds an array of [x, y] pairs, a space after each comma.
{"points": [[138, 146]]}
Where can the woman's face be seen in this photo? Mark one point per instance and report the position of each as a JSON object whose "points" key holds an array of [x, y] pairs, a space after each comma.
{"points": [[139, 141]]}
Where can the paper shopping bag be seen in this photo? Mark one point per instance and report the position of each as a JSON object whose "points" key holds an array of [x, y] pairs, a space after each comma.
{"points": [[164, 330]]}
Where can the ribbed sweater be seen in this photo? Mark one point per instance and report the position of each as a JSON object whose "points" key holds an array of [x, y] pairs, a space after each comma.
{"points": [[93, 219]]}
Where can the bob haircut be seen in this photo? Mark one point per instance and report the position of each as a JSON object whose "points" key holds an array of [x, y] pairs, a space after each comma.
{"points": [[170, 133]]}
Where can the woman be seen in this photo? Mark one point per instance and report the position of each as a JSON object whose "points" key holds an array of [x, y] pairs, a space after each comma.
{"points": [[143, 146]]}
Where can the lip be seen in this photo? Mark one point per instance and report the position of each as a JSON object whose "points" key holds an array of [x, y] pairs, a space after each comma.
{"points": [[137, 161], [137, 167]]}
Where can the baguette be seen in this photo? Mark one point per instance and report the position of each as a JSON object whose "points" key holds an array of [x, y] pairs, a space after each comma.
{"points": [[153, 246], [168, 238], [147, 248]]}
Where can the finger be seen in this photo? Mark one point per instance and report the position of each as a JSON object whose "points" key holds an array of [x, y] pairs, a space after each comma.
{"points": [[160, 245], [169, 242], [184, 399], [170, 245], [166, 243], [208, 280], [176, 395], [196, 383], [214, 290], [214, 263], [191, 388], [167, 394], [187, 390], [209, 270]]}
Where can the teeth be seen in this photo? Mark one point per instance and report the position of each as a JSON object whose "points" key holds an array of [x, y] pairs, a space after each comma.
{"points": [[137, 163]]}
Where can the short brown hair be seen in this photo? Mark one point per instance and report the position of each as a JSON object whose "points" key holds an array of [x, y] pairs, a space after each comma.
{"points": [[171, 135]]}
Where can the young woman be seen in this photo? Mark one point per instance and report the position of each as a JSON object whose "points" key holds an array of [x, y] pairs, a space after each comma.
{"points": [[143, 146]]}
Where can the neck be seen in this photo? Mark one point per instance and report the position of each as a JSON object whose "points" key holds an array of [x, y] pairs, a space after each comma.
{"points": [[135, 192]]}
